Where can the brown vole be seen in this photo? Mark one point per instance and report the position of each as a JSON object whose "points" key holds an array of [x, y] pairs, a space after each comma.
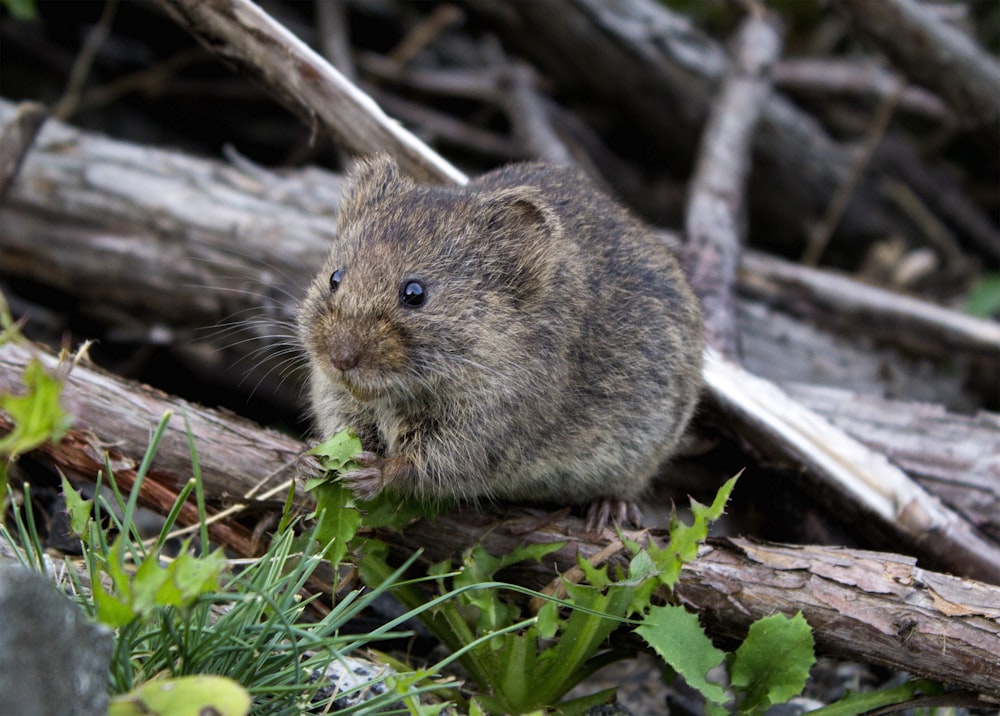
{"points": [[520, 338]]}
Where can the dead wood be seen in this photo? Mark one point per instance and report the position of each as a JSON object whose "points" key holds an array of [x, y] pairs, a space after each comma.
{"points": [[240, 461], [934, 54], [715, 220], [247, 37], [875, 607], [663, 73], [954, 456], [16, 139]]}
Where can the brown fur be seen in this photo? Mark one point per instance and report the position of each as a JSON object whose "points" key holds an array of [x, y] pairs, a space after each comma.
{"points": [[557, 356]]}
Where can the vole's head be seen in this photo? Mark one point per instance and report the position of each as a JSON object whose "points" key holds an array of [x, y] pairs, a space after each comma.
{"points": [[428, 289]]}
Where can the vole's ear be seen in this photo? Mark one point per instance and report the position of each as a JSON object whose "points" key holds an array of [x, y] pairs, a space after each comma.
{"points": [[370, 180], [520, 239]]}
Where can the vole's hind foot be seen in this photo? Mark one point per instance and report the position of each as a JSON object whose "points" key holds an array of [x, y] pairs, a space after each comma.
{"points": [[605, 511]]}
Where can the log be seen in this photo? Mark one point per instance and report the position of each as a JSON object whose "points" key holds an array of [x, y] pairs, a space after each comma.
{"points": [[868, 606]]}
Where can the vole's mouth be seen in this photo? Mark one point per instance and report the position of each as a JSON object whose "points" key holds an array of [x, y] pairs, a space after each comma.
{"points": [[359, 389]]}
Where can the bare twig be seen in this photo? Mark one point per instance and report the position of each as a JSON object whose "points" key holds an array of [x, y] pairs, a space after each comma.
{"points": [[855, 79], [773, 421], [820, 236], [81, 67], [334, 36]]}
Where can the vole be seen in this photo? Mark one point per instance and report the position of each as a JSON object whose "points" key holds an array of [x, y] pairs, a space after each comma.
{"points": [[521, 338]]}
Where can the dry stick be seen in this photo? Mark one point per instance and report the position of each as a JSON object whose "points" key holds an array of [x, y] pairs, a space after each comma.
{"points": [[820, 236], [81, 67], [16, 137], [335, 36], [824, 76], [934, 54], [425, 32], [658, 71], [865, 606], [776, 423], [714, 222], [529, 119], [907, 321], [246, 36], [117, 417]]}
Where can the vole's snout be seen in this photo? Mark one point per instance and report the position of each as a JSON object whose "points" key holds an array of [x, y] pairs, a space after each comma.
{"points": [[344, 356]]}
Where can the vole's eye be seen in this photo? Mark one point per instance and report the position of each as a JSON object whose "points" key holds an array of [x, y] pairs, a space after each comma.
{"points": [[335, 278], [412, 293]]}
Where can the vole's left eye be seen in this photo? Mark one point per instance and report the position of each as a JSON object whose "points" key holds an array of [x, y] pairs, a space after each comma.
{"points": [[412, 293], [335, 278]]}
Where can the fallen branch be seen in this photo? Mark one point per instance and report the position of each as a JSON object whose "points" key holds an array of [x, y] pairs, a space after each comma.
{"points": [[715, 220], [247, 37], [934, 54]]}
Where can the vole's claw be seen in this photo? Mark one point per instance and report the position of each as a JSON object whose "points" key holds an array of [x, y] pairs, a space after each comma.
{"points": [[604, 511], [366, 481]]}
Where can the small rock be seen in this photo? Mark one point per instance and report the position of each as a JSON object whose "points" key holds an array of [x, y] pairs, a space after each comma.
{"points": [[53, 660]]}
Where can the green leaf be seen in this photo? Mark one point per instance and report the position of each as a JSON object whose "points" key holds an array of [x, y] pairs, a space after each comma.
{"points": [[480, 566], [583, 705], [37, 415], [338, 519], [79, 509], [684, 539], [773, 662], [184, 696], [336, 453], [680, 640], [548, 619], [153, 586], [583, 633], [853, 703]]}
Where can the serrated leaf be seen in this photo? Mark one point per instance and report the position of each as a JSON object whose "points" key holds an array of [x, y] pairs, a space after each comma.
{"points": [[111, 610], [336, 453], [678, 637], [772, 664], [685, 539], [596, 577], [37, 415], [184, 696], [78, 508], [337, 519]]}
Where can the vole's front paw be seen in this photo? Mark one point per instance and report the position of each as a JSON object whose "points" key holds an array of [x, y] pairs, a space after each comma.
{"points": [[604, 511], [365, 481], [374, 474]]}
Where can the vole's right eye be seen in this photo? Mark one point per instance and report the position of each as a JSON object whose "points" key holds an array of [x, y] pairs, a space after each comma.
{"points": [[335, 278]]}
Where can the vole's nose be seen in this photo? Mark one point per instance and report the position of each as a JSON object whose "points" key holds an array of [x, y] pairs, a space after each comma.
{"points": [[344, 357]]}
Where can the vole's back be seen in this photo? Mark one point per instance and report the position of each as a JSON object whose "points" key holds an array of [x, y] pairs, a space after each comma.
{"points": [[555, 353]]}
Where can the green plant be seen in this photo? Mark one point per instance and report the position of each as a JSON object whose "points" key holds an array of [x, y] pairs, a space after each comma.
{"points": [[524, 664], [196, 615]]}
